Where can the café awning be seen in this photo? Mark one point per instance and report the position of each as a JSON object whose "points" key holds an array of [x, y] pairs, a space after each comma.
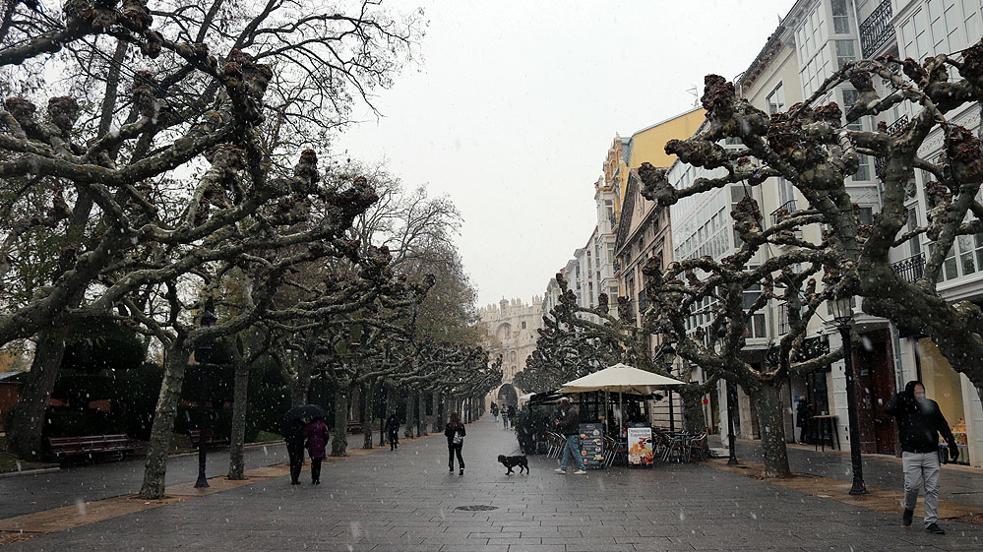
{"points": [[620, 378]]}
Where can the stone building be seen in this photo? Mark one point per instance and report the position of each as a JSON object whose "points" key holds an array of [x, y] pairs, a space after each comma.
{"points": [[510, 331]]}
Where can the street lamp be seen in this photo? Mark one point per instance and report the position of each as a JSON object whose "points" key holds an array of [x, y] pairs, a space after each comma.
{"points": [[842, 309], [203, 356]]}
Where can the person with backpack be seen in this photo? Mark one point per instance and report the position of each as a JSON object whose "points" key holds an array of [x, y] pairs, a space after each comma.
{"points": [[316, 436], [455, 433]]}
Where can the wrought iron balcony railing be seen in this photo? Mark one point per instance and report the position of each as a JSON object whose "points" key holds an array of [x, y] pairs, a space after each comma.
{"points": [[910, 269], [783, 211], [877, 30]]}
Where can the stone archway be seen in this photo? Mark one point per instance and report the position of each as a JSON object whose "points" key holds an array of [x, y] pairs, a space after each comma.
{"points": [[507, 395]]}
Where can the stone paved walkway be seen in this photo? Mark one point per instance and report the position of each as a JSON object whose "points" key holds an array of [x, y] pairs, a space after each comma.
{"points": [[959, 483], [406, 501]]}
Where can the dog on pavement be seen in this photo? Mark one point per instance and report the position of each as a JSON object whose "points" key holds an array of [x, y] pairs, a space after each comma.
{"points": [[511, 462]]}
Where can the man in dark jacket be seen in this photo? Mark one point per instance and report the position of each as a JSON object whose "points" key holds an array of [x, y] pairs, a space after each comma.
{"points": [[293, 434], [919, 423], [570, 427], [392, 431]]}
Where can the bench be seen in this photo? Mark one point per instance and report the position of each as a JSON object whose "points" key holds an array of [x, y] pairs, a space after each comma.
{"points": [[91, 445], [354, 426], [211, 440]]}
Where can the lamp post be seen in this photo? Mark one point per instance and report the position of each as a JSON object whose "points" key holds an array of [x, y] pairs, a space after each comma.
{"points": [[842, 309], [203, 355]]}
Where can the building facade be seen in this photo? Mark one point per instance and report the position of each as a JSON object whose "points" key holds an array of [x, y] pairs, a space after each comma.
{"points": [[510, 329]]}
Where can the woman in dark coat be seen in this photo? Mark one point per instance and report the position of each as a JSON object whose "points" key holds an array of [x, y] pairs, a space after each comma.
{"points": [[293, 434], [316, 435], [455, 432], [392, 431]]}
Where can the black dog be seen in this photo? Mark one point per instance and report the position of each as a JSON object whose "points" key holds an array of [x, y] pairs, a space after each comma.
{"points": [[513, 461]]}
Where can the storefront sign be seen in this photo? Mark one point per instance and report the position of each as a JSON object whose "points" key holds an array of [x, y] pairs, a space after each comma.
{"points": [[640, 446], [592, 445]]}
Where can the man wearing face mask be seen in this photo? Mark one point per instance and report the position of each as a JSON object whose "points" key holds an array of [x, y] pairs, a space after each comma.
{"points": [[919, 423]]}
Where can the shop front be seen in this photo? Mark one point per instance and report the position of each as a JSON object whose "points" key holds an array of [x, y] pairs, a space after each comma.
{"points": [[952, 392]]}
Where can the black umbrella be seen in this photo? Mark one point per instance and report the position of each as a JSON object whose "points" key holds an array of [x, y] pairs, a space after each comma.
{"points": [[311, 411]]}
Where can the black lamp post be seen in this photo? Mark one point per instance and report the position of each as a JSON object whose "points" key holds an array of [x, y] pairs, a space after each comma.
{"points": [[203, 356], [842, 309]]}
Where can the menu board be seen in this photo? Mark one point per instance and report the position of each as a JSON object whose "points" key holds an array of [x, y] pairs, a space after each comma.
{"points": [[640, 446], [592, 445]]}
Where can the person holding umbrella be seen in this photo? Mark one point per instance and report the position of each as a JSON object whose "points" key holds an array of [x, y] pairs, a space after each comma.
{"points": [[293, 435], [316, 436]]}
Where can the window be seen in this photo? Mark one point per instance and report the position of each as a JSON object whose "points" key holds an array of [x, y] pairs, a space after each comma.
{"points": [[866, 215], [914, 244], [776, 100], [523, 325], [844, 52], [863, 169], [841, 16]]}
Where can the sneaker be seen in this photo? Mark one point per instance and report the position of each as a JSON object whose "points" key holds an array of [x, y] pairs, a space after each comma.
{"points": [[452, 471], [315, 482], [461, 472], [907, 517], [935, 529], [579, 472], [560, 470]]}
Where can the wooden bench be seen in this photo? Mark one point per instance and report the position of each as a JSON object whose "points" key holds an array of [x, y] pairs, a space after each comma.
{"points": [[354, 426], [211, 440], [90, 446]]}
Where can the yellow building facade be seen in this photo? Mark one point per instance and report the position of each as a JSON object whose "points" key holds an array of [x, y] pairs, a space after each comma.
{"points": [[649, 145]]}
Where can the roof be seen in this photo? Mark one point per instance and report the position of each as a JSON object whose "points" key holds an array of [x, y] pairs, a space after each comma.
{"points": [[664, 121]]}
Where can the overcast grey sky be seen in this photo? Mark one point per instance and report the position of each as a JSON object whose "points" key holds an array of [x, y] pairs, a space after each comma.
{"points": [[514, 104]]}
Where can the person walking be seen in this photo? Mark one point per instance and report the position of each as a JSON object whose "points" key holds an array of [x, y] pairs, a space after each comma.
{"points": [[316, 436], [570, 427], [919, 423], [510, 413], [293, 435], [494, 411], [392, 431], [455, 433]]}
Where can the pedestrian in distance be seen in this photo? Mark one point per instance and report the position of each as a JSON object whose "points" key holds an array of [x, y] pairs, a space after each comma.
{"points": [[392, 431], [920, 421], [570, 427], [293, 435], [494, 411], [455, 433], [510, 413], [316, 439]]}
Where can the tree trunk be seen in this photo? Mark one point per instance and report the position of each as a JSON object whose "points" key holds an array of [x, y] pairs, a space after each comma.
{"points": [[768, 401], [175, 362], [435, 401], [339, 444], [27, 420], [410, 414], [239, 406], [420, 414], [368, 403]]}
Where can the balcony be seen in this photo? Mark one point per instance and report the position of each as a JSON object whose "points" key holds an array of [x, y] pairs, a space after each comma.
{"points": [[783, 211], [898, 126], [910, 269], [877, 30]]}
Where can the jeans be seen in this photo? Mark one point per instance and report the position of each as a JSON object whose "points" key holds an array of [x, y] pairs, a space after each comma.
{"points": [[571, 449], [393, 440], [451, 451], [922, 468], [316, 469]]}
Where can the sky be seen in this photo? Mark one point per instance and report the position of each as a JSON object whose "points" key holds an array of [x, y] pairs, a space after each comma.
{"points": [[510, 107]]}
